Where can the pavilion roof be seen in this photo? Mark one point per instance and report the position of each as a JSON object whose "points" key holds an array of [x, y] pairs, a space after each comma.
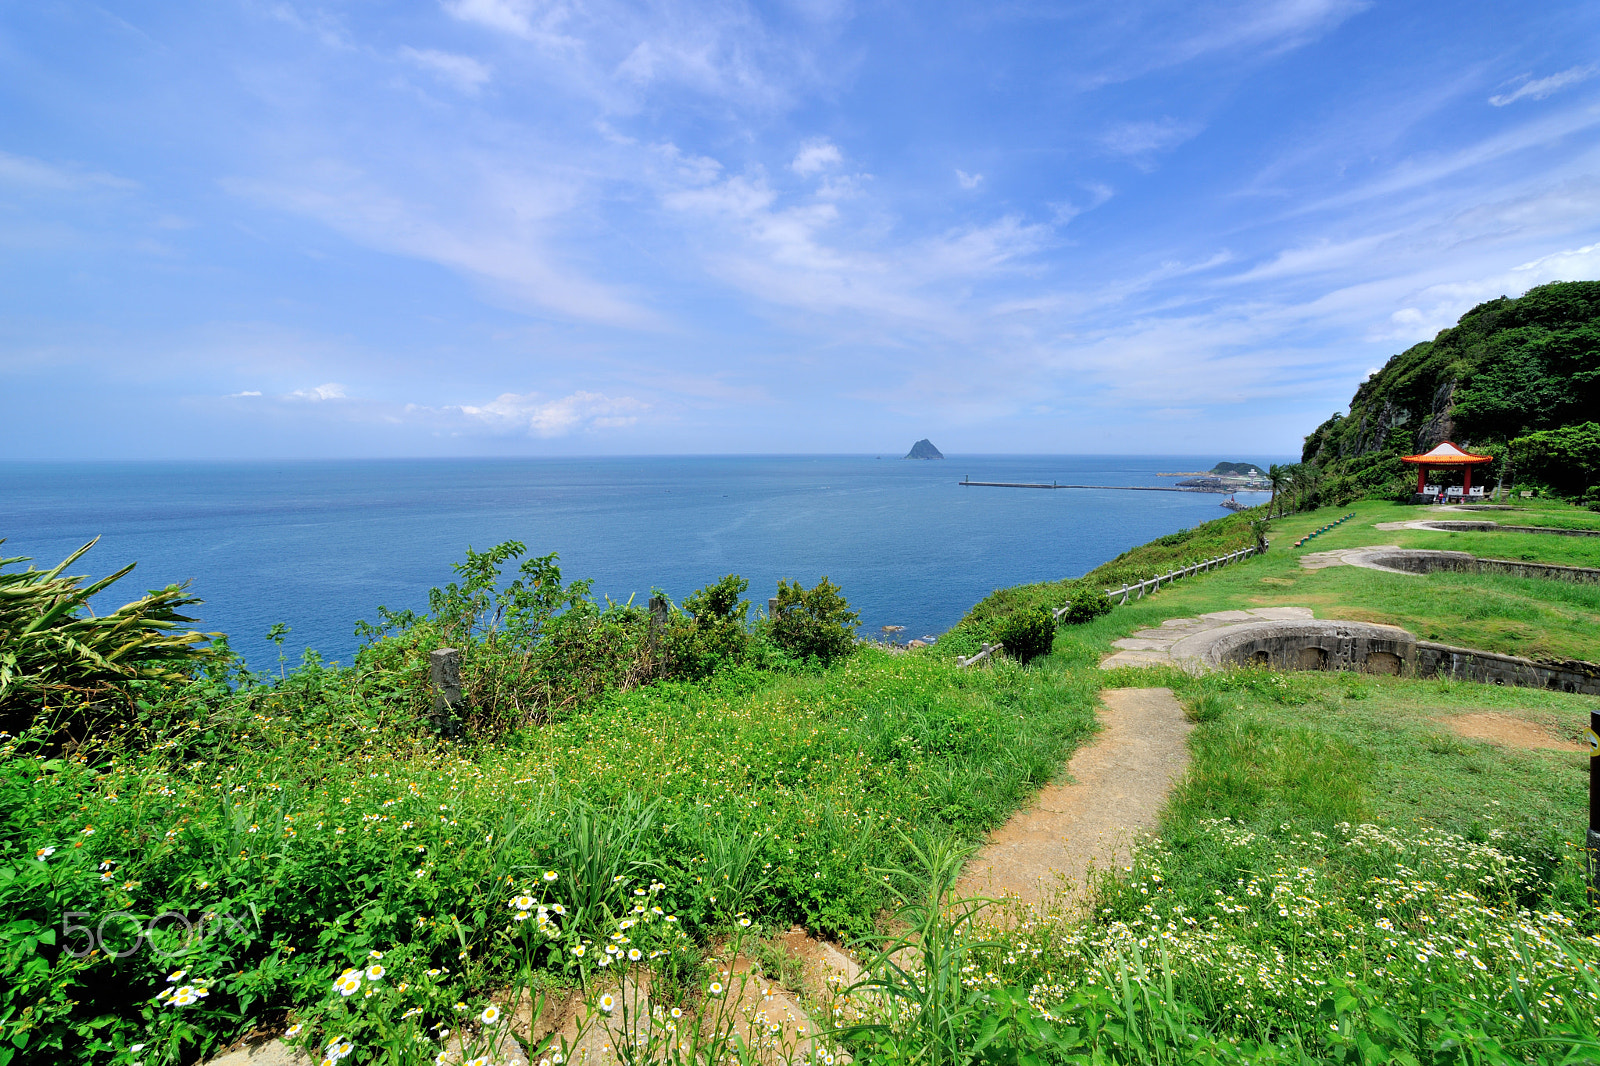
{"points": [[1447, 454]]}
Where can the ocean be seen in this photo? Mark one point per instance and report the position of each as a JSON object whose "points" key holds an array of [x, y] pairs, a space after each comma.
{"points": [[317, 545]]}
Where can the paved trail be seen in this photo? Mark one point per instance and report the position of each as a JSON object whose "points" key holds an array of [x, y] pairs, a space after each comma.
{"points": [[1119, 783]]}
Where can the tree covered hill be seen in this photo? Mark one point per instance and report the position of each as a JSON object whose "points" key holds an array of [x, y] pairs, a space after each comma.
{"points": [[1524, 368]]}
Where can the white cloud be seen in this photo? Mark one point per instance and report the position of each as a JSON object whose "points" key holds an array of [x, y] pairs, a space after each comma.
{"points": [[1267, 27], [1540, 88], [616, 51], [815, 156], [814, 256], [1277, 25], [495, 232], [465, 73], [1439, 306], [1141, 140], [1066, 210], [36, 173], [520, 18], [540, 417], [247, 392], [968, 181], [330, 391]]}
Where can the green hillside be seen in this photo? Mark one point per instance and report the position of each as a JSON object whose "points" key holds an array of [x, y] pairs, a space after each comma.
{"points": [[1526, 368]]}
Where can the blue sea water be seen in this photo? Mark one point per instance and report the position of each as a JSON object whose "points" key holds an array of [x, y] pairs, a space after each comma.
{"points": [[318, 545]]}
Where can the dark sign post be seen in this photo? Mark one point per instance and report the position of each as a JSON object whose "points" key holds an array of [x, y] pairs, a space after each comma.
{"points": [[444, 668]]}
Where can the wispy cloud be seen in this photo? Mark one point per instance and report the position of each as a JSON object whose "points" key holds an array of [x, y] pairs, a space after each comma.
{"points": [[538, 416], [968, 181], [1174, 36], [493, 235], [1539, 88], [27, 172], [527, 19], [463, 72], [1142, 141], [316, 394]]}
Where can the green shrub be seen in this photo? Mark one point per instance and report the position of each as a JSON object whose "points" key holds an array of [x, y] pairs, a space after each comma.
{"points": [[1567, 459], [536, 645], [1086, 605], [714, 632], [815, 623], [1027, 634]]}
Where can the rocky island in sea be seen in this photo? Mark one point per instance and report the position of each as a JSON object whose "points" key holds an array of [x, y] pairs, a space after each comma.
{"points": [[1228, 477], [924, 449]]}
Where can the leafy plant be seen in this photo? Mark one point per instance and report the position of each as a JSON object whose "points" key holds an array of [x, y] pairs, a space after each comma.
{"points": [[1086, 604], [716, 631], [55, 650], [1027, 634], [603, 848], [1566, 459], [815, 623]]}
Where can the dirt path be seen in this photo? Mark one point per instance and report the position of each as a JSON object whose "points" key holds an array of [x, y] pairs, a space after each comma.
{"points": [[1119, 783]]}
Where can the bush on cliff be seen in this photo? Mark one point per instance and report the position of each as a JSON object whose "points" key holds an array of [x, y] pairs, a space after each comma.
{"points": [[815, 623], [1027, 634], [1086, 605], [1566, 459]]}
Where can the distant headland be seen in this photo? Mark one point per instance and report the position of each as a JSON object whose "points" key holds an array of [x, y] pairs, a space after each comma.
{"points": [[924, 449]]}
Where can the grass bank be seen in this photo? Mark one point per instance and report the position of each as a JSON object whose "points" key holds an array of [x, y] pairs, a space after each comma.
{"points": [[314, 824]]}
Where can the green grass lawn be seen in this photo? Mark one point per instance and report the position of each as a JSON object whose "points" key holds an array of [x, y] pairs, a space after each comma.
{"points": [[1517, 616], [1339, 877]]}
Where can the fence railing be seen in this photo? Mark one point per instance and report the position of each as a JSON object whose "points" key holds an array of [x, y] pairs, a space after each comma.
{"points": [[1128, 591]]}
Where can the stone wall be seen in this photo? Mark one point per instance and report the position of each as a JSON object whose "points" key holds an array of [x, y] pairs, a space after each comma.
{"points": [[1375, 649], [1496, 527], [1428, 562], [1468, 664]]}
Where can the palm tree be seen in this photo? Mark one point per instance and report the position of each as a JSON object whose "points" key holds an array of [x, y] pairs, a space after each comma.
{"points": [[1277, 477]]}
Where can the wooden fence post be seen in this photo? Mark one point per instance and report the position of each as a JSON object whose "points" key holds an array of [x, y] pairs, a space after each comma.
{"points": [[1593, 840]]}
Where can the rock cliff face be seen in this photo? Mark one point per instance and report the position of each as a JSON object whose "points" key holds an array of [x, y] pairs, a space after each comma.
{"points": [[924, 449], [1507, 367]]}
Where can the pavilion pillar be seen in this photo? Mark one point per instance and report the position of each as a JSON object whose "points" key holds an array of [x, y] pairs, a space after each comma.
{"points": [[1422, 478], [1466, 481]]}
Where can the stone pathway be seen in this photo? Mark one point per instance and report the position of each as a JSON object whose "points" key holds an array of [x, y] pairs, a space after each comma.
{"points": [[1154, 647], [1118, 786]]}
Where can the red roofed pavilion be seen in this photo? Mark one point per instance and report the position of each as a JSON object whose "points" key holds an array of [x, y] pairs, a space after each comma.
{"points": [[1446, 455]]}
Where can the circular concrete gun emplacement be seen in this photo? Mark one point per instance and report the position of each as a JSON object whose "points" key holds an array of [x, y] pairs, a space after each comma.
{"points": [[1397, 560], [1291, 639]]}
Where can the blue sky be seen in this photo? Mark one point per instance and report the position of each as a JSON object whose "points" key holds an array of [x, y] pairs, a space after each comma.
{"points": [[515, 227]]}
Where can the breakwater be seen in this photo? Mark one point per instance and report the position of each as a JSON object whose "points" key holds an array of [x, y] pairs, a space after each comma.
{"points": [[1054, 485]]}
